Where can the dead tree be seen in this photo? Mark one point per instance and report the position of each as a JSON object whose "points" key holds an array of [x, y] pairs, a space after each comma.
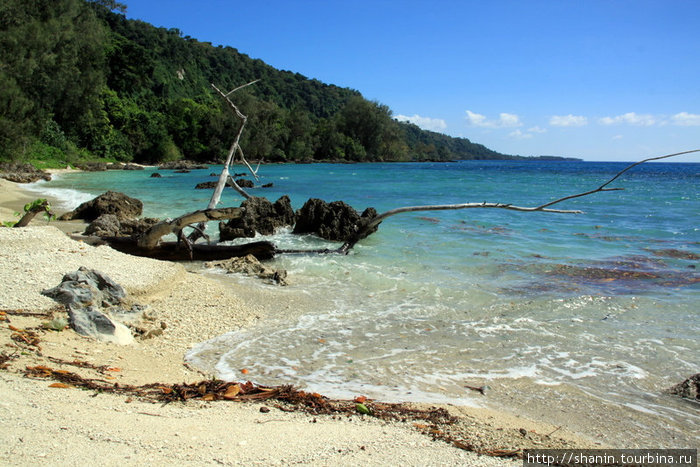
{"points": [[225, 176]]}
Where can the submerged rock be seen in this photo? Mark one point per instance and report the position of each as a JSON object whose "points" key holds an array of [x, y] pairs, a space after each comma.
{"points": [[251, 266], [111, 202]]}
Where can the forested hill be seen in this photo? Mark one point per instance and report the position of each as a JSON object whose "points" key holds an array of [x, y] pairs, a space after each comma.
{"points": [[79, 80]]}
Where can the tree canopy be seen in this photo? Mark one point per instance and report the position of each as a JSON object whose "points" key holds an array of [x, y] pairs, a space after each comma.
{"points": [[79, 79]]}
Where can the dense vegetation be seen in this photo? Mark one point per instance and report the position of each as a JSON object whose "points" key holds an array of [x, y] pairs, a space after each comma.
{"points": [[78, 81]]}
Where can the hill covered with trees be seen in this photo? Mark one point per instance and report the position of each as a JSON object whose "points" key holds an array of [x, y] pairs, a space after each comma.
{"points": [[79, 80]]}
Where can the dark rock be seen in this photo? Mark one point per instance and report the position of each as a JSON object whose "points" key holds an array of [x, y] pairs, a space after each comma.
{"points": [[268, 185], [251, 266], [111, 202], [115, 166], [209, 185], [156, 175], [22, 173], [93, 166], [182, 165], [108, 225], [688, 389], [213, 174], [183, 171], [259, 215], [88, 295], [333, 221], [243, 183]]}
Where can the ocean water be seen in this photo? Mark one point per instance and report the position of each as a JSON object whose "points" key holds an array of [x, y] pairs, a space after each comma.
{"points": [[604, 304]]}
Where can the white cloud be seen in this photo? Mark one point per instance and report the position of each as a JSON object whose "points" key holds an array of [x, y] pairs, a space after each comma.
{"points": [[537, 129], [520, 135], [505, 120], [686, 119], [426, 123], [568, 120], [616, 137], [630, 118]]}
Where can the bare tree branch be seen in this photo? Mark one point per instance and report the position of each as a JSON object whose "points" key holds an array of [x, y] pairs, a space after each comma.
{"points": [[602, 187], [369, 227], [152, 236]]}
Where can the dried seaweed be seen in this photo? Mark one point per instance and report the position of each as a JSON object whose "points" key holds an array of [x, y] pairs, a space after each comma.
{"points": [[36, 314], [431, 422]]}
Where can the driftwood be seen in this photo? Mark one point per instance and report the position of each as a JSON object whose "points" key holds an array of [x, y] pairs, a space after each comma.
{"points": [[173, 251], [152, 236], [369, 228], [32, 209]]}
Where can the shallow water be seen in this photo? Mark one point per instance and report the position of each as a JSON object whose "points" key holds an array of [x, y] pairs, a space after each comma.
{"points": [[604, 302]]}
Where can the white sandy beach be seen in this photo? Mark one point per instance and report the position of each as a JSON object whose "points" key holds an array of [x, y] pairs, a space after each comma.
{"points": [[43, 425]]}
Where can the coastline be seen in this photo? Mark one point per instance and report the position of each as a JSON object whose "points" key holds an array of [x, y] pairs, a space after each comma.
{"points": [[194, 308]]}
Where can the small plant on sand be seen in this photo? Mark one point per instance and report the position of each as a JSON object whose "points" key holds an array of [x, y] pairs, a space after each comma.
{"points": [[31, 210]]}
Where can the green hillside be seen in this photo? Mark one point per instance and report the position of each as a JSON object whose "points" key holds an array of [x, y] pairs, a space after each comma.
{"points": [[80, 81]]}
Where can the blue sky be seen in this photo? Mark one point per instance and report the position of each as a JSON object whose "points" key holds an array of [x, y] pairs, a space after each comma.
{"points": [[600, 80]]}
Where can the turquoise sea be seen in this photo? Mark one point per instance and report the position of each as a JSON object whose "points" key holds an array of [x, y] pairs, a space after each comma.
{"points": [[602, 307]]}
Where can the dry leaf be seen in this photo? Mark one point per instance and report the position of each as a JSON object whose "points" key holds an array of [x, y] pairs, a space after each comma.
{"points": [[115, 369], [232, 391], [208, 397], [244, 371], [60, 385], [361, 399]]}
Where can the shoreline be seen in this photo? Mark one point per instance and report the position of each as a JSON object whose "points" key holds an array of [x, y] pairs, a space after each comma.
{"points": [[194, 308]]}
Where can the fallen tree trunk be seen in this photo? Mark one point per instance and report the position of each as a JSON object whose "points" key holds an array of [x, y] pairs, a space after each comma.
{"points": [[173, 251], [152, 236]]}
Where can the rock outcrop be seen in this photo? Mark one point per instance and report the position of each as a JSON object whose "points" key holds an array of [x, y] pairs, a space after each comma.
{"points": [[332, 221], [111, 202], [22, 173], [182, 165], [109, 225], [259, 215]]}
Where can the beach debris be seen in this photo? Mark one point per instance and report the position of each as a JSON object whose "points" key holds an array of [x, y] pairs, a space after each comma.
{"points": [[111, 202], [251, 266], [56, 324], [688, 389], [435, 422], [363, 409], [25, 337], [481, 389], [92, 299]]}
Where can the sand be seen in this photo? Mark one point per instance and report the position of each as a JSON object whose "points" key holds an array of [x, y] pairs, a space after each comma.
{"points": [[42, 425]]}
